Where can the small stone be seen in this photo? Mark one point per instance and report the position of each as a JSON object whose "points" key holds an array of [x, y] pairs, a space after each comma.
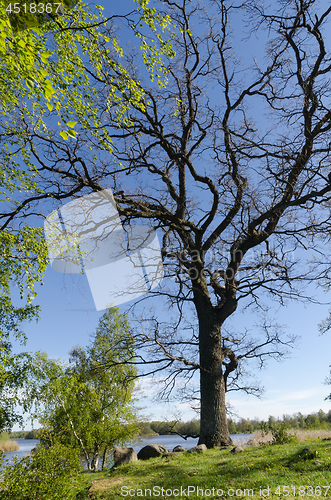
{"points": [[318, 462], [237, 449], [178, 448], [152, 451], [201, 448]]}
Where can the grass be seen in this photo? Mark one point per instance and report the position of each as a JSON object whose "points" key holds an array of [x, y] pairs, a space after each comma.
{"points": [[265, 471], [6, 444]]}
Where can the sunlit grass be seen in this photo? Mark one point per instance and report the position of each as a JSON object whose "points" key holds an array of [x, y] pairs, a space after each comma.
{"points": [[264, 471]]}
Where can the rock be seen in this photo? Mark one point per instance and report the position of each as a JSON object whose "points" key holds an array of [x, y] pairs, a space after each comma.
{"points": [[124, 456], [237, 449], [151, 451], [178, 448], [318, 462], [201, 448], [171, 454]]}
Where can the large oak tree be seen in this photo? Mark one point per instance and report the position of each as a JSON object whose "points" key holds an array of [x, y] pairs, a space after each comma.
{"points": [[228, 157]]}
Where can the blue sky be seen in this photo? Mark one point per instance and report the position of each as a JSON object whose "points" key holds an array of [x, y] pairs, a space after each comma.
{"points": [[69, 316]]}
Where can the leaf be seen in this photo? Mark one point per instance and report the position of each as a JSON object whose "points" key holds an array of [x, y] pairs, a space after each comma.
{"points": [[50, 106], [72, 133], [71, 124], [48, 94], [64, 135], [29, 83], [44, 56]]}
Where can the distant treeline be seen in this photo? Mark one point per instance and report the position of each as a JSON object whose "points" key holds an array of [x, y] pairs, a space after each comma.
{"points": [[34, 434], [318, 420]]}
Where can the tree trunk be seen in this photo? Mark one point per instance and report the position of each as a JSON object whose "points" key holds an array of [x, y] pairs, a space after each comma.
{"points": [[95, 459], [104, 457], [213, 421], [85, 453]]}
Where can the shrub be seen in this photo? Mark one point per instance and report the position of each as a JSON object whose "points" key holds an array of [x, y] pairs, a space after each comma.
{"points": [[50, 474], [307, 454], [279, 432]]}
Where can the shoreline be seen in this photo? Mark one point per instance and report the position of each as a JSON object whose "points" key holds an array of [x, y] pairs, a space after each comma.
{"points": [[8, 446]]}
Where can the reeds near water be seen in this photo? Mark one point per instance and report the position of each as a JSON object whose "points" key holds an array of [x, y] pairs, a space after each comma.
{"points": [[7, 444], [302, 435]]}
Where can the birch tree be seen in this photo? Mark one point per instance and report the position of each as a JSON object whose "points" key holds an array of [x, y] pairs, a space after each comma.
{"points": [[81, 405]]}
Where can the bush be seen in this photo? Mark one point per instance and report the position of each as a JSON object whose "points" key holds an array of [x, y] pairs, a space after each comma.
{"points": [[50, 474], [279, 432]]}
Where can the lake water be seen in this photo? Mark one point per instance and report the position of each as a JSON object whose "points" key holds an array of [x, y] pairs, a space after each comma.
{"points": [[171, 441], [26, 445]]}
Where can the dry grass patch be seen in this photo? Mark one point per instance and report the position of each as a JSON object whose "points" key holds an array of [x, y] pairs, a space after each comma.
{"points": [[102, 486], [7, 446], [302, 435]]}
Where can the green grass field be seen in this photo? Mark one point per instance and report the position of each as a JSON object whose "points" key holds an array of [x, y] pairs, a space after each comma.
{"points": [[268, 471]]}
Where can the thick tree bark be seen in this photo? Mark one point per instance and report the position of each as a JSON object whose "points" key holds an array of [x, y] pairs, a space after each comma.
{"points": [[213, 421]]}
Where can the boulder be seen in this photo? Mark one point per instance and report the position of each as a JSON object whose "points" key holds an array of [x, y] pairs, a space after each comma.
{"points": [[237, 449], [178, 448], [151, 451], [201, 448], [124, 456]]}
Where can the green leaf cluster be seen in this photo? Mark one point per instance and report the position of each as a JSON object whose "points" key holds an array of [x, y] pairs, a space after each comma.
{"points": [[42, 476], [22, 264]]}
